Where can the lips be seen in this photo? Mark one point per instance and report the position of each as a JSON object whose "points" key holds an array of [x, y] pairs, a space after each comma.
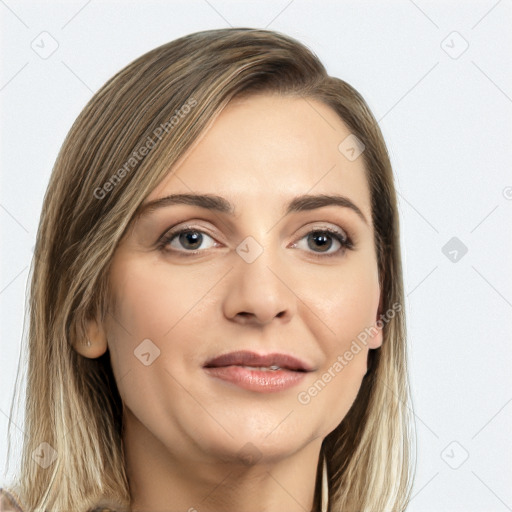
{"points": [[268, 373], [269, 362]]}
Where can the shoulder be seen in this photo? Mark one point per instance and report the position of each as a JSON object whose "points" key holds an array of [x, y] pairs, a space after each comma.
{"points": [[8, 502]]}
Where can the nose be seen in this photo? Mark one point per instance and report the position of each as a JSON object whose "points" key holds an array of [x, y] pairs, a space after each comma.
{"points": [[259, 292]]}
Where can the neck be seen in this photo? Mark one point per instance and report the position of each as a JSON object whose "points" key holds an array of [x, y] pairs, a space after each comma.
{"points": [[163, 480]]}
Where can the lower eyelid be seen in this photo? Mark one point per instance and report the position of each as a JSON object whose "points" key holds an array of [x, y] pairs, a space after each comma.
{"points": [[169, 237], [343, 240], [341, 237]]}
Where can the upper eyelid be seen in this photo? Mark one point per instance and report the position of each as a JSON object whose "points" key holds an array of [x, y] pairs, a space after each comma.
{"points": [[312, 226], [345, 240], [307, 226]]}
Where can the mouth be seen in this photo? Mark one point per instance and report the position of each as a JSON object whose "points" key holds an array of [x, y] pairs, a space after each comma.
{"points": [[262, 373], [267, 362]]}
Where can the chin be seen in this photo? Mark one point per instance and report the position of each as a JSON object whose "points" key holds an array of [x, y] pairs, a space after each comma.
{"points": [[251, 446], [253, 453]]}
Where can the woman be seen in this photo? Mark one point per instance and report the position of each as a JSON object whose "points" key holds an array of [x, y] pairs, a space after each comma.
{"points": [[216, 298]]}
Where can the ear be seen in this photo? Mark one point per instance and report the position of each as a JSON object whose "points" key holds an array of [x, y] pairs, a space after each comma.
{"points": [[93, 343], [376, 337]]}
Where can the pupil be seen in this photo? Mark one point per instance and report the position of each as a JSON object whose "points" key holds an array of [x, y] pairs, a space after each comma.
{"points": [[191, 236], [323, 240]]}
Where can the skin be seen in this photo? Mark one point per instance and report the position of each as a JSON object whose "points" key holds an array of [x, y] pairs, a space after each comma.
{"points": [[186, 434]]}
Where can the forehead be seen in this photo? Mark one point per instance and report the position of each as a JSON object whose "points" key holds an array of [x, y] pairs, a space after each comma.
{"points": [[268, 149]]}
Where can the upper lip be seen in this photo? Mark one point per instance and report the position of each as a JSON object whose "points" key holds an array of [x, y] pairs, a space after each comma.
{"points": [[246, 358]]}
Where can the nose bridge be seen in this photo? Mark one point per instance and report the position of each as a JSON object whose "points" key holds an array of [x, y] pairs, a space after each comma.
{"points": [[258, 284]]}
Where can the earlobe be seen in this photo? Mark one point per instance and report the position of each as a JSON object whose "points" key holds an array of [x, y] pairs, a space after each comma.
{"points": [[375, 340], [94, 343]]}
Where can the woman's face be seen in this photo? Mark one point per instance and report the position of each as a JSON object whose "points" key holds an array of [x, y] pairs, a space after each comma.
{"points": [[259, 279]]}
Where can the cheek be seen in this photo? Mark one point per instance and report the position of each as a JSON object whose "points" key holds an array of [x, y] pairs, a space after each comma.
{"points": [[145, 309], [152, 301], [149, 334], [144, 304], [156, 311], [348, 304]]}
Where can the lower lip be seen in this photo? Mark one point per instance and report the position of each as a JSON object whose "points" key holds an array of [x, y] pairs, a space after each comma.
{"points": [[262, 381]]}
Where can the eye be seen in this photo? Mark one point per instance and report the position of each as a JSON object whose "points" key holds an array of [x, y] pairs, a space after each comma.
{"points": [[326, 239], [324, 242], [188, 238]]}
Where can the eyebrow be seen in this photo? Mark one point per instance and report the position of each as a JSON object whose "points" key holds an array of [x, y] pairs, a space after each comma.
{"points": [[222, 205]]}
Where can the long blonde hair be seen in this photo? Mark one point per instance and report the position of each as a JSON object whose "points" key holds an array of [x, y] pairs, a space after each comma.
{"points": [[164, 100]]}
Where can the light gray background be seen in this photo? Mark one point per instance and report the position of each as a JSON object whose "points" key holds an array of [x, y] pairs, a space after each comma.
{"points": [[445, 112]]}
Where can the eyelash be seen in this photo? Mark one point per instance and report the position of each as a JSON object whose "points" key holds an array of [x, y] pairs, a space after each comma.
{"points": [[344, 241]]}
